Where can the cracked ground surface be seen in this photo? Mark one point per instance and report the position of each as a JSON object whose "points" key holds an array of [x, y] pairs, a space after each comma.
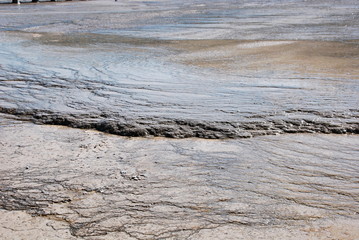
{"points": [[62, 183]]}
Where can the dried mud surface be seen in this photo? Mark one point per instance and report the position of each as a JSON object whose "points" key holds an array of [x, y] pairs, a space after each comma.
{"points": [[62, 183], [193, 70]]}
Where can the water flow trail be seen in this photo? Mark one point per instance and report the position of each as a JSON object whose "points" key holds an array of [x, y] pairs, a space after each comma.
{"points": [[179, 69], [185, 69]]}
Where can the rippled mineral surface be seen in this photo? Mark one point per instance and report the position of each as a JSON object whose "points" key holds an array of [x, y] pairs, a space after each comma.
{"points": [[81, 184], [273, 84]]}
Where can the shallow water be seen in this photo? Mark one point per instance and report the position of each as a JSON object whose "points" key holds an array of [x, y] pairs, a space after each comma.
{"points": [[150, 65]]}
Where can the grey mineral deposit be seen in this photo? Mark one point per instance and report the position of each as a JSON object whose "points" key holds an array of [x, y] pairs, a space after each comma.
{"points": [[185, 119]]}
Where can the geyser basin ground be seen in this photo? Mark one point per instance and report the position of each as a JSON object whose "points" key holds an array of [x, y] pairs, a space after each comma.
{"points": [[179, 69], [87, 185]]}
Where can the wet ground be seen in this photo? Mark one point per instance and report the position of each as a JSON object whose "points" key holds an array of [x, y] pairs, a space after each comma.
{"points": [[281, 73]]}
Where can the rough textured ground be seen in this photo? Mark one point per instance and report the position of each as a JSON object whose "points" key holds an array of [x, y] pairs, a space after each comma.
{"points": [[207, 69], [61, 183], [282, 72]]}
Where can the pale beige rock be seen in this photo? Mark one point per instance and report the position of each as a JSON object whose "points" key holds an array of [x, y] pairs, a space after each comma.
{"points": [[61, 183]]}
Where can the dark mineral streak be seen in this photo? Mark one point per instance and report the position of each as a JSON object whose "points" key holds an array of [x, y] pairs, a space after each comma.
{"points": [[185, 128]]}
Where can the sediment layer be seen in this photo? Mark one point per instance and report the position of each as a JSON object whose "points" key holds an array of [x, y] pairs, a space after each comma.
{"points": [[177, 128]]}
